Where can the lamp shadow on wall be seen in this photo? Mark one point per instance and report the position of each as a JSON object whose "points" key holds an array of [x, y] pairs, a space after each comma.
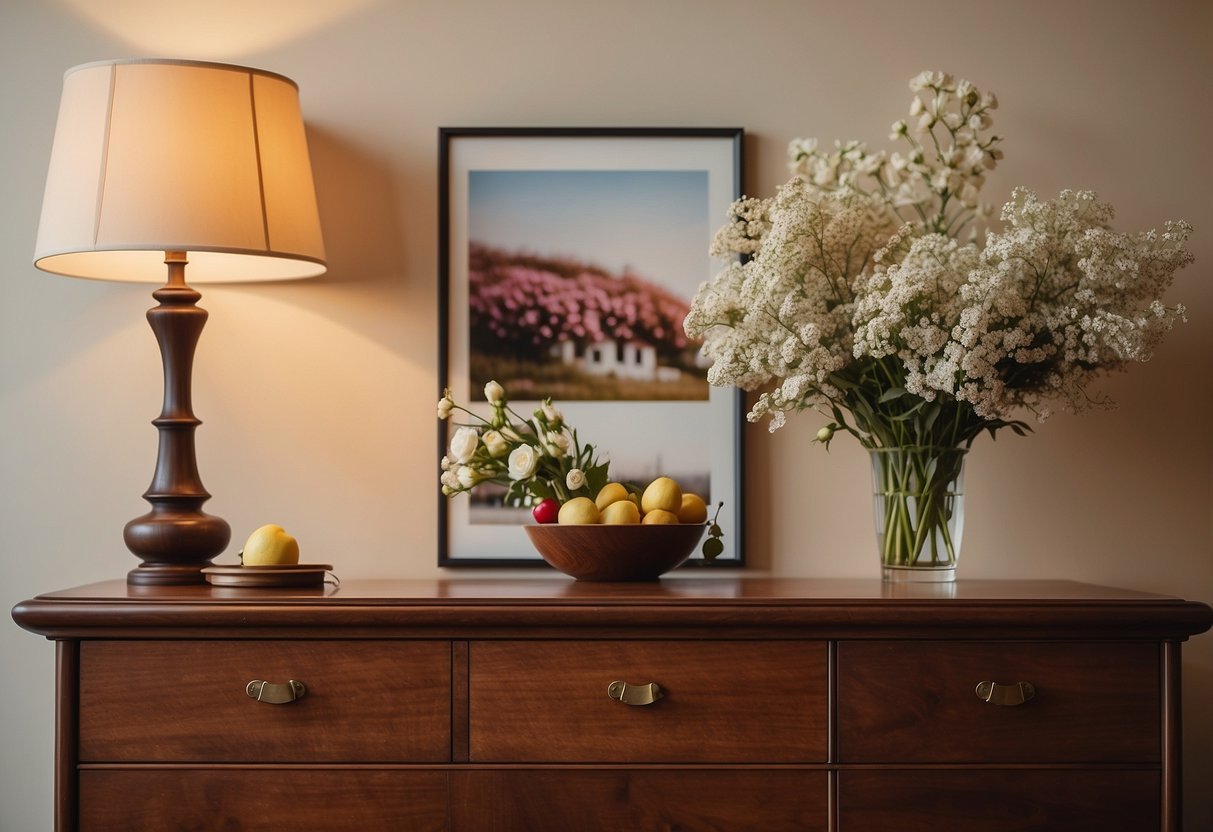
{"points": [[367, 281]]}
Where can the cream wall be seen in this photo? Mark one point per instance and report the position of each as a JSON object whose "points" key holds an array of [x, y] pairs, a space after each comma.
{"points": [[318, 397]]}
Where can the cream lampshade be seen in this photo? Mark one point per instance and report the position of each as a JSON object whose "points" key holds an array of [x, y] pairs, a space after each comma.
{"points": [[158, 164]]}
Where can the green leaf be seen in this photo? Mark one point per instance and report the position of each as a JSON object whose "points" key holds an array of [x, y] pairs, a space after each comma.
{"points": [[540, 488], [597, 476], [892, 393], [712, 548]]}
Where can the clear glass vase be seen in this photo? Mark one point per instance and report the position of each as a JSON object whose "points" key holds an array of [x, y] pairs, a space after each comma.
{"points": [[918, 495]]}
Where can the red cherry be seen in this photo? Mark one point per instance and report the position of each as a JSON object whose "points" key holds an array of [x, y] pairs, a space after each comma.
{"points": [[547, 511]]}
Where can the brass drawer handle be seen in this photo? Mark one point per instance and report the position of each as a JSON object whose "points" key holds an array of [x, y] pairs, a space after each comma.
{"points": [[273, 693], [997, 694], [635, 694]]}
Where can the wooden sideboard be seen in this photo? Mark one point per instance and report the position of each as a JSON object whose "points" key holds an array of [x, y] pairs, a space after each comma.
{"points": [[474, 704]]}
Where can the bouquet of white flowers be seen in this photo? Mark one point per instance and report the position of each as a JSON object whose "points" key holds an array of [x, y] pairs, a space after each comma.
{"points": [[533, 458], [871, 292]]}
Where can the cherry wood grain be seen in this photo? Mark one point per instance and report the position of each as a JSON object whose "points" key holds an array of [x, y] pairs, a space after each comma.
{"points": [[724, 701], [916, 702], [750, 800], [233, 799], [186, 701], [780, 693], [545, 608], [597, 552], [999, 800]]}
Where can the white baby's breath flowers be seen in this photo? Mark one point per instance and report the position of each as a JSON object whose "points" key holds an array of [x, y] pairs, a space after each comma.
{"points": [[860, 299]]}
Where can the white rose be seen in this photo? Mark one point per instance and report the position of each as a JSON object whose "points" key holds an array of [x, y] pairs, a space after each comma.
{"points": [[556, 443], [494, 393], [549, 413], [467, 476], [445, 406], [495, 443], [463, 444], [523, 461], [575, 479]]}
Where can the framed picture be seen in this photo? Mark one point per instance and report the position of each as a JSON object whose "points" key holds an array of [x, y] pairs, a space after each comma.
{"points": [[568, 259]]}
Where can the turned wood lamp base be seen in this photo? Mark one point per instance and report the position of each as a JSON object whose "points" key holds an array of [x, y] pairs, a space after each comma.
{"points": [[176, 539]]}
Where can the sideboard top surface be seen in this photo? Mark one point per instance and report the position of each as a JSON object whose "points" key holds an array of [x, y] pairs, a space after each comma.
{"points": [[716, 606], [543, 590]]}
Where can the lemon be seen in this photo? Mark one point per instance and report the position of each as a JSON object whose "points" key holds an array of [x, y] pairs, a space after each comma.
{"points": [[693, 509], [659, 516], [579, 510], [612, 492], [663, 493], [621, 512], [270, 545]]}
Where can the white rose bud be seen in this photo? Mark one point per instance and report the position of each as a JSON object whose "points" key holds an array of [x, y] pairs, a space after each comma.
{"points": [[463, 444], [556, 443], [467, 476], [494, 392], [445, 406], [495, 443], [825, 434], [575, 479], [522, 462], [552, 414]]}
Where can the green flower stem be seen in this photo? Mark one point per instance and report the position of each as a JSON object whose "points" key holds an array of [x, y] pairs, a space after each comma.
{"points": [[918, 491]]}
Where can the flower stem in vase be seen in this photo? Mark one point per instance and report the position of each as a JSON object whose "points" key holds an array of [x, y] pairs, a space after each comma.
{"points": [[919, 504]]}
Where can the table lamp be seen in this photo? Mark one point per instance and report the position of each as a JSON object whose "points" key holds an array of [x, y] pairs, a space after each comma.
{"points": [[158, 164]]}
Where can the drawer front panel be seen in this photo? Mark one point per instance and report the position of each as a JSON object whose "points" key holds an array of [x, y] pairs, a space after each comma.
{"points": [[917, 702], [1018, 800], [722, 702], [186, 701], [299, 799], [611, 801]]}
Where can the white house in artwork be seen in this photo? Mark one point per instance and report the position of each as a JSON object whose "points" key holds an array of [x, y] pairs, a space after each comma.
{"points": [[621, 359]]}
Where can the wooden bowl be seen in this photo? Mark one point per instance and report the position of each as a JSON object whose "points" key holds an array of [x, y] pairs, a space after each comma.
{"points": [[615, 553]]}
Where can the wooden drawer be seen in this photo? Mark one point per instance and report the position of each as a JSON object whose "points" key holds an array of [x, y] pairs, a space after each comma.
{"points": [[917, 702], [301, 800], [1007, 800], [723, 702], [529, 800], [186, 701]]}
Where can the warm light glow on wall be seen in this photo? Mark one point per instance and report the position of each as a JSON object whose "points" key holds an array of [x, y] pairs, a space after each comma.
{"points": [[213, 28]]}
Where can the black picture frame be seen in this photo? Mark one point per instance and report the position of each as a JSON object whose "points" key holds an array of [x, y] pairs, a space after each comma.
{"points": [[596, 170]]}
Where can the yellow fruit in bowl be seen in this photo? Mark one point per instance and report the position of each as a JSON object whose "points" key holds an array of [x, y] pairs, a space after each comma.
{"points": [[270, 545], [693, 509], [621, 513], [660, 516], [578, 511], [663, 494], [612, 492]]}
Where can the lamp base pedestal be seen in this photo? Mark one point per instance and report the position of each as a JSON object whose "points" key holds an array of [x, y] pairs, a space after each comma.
{"points": [[160, 574], [175, 544], [176, 539]]}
